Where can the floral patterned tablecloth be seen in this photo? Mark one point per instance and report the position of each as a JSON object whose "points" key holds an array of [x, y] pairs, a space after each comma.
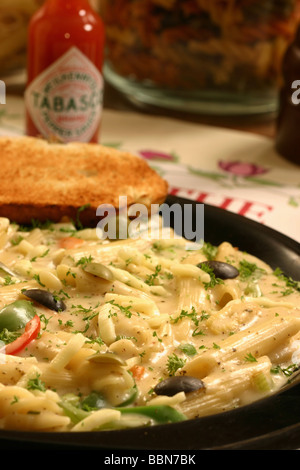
{"points": [[234, 170]]}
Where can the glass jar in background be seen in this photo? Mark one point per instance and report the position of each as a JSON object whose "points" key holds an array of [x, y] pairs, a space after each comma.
{"points": [[203, 56], [14, 18]]}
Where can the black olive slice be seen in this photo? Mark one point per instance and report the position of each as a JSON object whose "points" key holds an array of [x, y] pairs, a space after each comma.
{"points": [[220, 269], [173, 385], [45, 298]]}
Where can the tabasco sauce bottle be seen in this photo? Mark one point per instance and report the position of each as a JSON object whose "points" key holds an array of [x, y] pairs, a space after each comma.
{"points": [[64, 91]]}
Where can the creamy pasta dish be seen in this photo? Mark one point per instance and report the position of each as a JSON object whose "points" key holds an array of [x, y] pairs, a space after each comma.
{"points": [[100, 335]]}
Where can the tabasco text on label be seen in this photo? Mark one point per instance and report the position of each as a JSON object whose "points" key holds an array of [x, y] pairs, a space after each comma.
{"points": [[65, 101]]}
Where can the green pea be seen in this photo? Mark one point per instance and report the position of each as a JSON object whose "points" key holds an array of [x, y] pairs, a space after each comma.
{"points": [[16, 315]]}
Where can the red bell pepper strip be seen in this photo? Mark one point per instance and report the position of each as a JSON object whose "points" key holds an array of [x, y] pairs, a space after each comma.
{"points": [[137, 371], [32, 329]]}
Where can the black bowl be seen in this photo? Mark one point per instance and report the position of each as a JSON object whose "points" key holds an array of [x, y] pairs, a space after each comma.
{"points": [[269, 424]]}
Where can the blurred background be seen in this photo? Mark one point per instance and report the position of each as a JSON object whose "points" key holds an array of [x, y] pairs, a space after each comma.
{"points": [[14, 19], [212, 56], [209, 57]]}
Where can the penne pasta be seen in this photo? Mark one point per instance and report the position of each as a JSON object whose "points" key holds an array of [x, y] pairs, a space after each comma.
{"points": [[223, 394], [257, 341]]}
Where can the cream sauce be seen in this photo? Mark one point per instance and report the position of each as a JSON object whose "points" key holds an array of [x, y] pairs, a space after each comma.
{"points": [[157, 315]]}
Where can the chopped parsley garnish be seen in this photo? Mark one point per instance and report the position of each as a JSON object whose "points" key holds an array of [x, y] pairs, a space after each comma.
{"points": [[157, 246], [126, 310], [40, 256], [214, 281], [84, 260], [89, 312], [174, 363], [287, 371], [8, 281], [198, 332], [184, 313], [17, 240], [43, 225], [36, 384], [132, 338], [97, 340], [250, 270], [156, 335], [152, 277], [78, 221], [71, 231], [71, 273], [288, 291], [250, 358], [37, 278], [61, 295], [44, 320], [209, 250], [289, 282], [195, 318], [7, 336], [68, 323]]}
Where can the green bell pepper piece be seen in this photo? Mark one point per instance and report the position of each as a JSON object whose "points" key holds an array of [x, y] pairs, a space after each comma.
{"points": [[94, 401], [16, 315], [75, 413], [133, 393], [161, 413]]}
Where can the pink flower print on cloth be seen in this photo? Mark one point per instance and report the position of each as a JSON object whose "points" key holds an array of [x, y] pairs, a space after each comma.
{"points": [[242, 168], [158, 155]]}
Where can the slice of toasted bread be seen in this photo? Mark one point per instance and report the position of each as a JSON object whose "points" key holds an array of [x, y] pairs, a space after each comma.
{"points": [[46, 181]]}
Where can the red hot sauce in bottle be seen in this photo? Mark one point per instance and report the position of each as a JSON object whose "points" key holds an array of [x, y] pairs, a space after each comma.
{"points": [[64, 92]]}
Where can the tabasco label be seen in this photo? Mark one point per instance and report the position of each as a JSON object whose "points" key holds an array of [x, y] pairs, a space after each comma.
{"points": [[65, 100]]}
